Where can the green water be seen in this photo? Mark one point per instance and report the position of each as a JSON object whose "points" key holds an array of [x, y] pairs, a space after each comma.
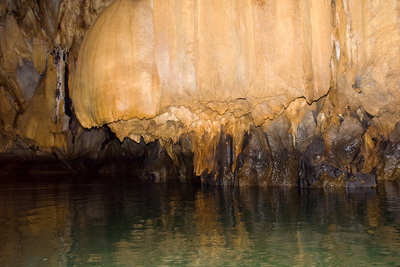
{"points": [[79, 222]]}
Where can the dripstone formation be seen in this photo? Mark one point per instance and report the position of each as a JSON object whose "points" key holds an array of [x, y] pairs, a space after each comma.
{"points": [[274, 93]]}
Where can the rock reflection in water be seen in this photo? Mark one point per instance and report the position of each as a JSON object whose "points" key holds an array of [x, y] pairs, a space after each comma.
{"points": [[125, 224], [35, 225]]}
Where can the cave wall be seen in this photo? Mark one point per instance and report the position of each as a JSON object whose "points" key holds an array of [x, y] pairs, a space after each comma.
{"points": [[255, 92]]}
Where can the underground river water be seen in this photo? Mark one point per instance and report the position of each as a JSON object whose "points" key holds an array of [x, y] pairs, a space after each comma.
{"points": [[64, 221]]}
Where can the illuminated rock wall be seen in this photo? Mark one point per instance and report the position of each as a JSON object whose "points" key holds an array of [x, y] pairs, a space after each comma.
{"points": [[254, 92]]}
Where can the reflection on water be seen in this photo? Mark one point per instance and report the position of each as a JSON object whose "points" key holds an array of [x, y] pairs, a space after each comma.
{"points": [[71, 222]]}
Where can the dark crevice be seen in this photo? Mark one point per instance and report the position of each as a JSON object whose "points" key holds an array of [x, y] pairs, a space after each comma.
{"points": [[109, 137], [67, 99]]}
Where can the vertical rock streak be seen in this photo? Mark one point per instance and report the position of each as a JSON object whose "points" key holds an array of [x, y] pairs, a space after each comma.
{"points": [[59, 56]]}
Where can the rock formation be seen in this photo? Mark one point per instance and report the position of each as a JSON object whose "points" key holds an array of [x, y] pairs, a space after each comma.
{"points": [[259, 92]]}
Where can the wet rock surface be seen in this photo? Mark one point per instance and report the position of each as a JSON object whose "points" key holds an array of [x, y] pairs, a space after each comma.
{"points": [[254, 163], [337, 160], [391, 154]]}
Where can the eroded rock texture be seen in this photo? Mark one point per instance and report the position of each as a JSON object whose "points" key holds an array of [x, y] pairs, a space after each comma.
{"points": [[229, 92]]}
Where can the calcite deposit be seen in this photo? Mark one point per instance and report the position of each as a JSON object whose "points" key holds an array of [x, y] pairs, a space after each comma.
{"points": [[260, 92]]}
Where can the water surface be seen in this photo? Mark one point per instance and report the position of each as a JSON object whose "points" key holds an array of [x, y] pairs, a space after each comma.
{"points": [[62, 221]]}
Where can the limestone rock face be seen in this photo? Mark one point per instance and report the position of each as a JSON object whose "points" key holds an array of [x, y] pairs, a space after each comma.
{"points": [[261, 92], [200, 65], [143, 57]]}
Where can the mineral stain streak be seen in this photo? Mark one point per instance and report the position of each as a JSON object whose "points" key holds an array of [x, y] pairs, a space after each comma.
{"points": [[59, 62]]}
